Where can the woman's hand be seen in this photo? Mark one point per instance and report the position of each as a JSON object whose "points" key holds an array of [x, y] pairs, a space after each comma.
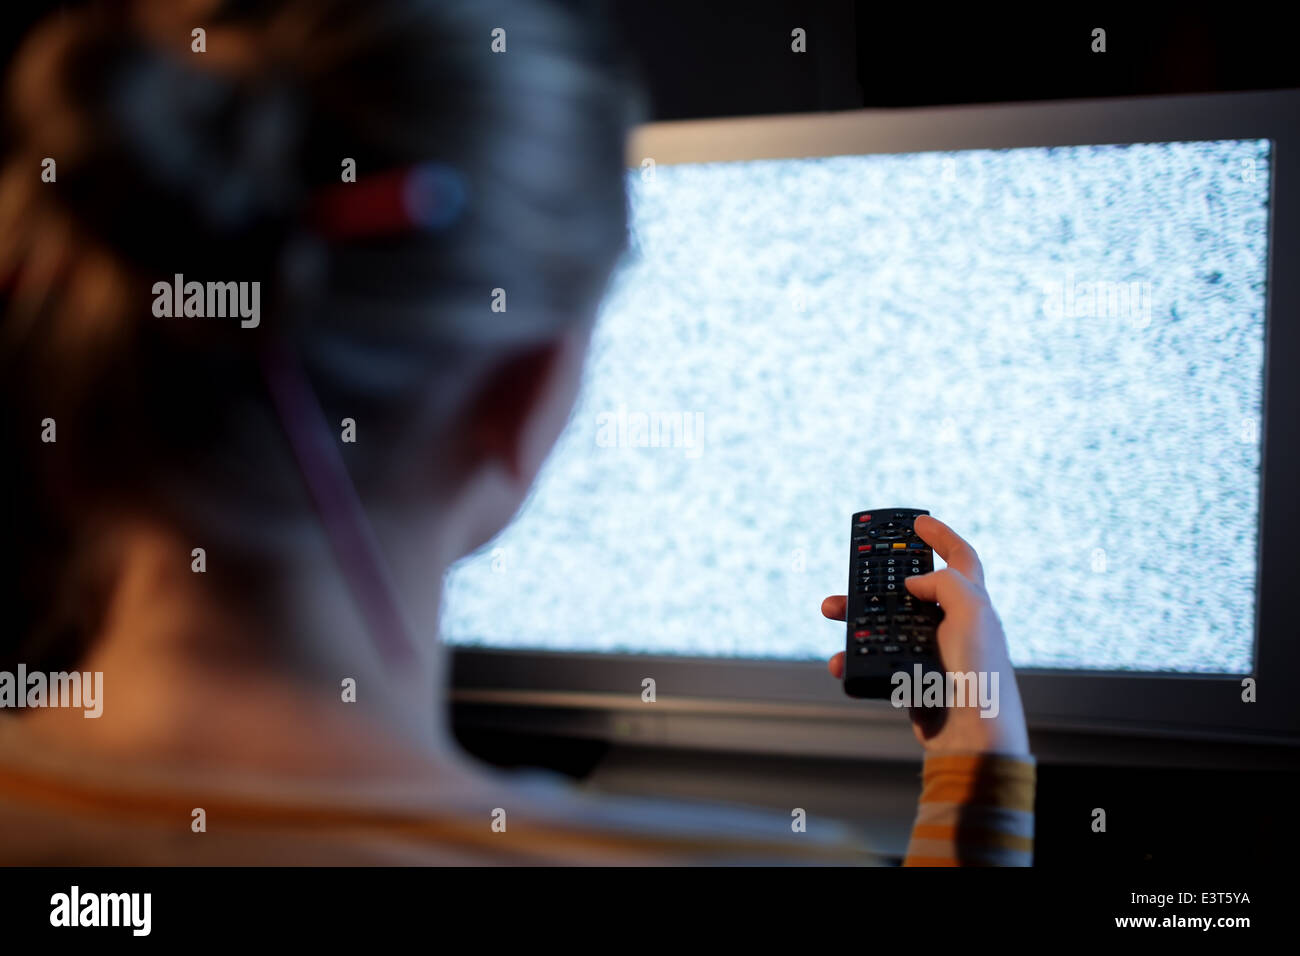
{"points": [[970, 639]]}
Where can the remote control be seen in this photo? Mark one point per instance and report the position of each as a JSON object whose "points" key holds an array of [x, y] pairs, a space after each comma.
{"points": [[888, 629]]}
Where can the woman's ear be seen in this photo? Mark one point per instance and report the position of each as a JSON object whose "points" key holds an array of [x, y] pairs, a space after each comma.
{"points": [[524, 403]]}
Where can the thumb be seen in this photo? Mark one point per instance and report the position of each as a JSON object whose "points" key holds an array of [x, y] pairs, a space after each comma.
{"points": [[947, 587]]}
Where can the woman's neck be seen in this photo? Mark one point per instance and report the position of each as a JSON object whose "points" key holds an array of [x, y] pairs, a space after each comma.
{"points": [[192, 675]]}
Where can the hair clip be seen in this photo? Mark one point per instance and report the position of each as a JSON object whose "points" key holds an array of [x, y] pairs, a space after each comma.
{"points": [[426, 197]]}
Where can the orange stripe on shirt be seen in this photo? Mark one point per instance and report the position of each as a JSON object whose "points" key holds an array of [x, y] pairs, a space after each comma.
{"points": [[988, 781], [977, 786]]}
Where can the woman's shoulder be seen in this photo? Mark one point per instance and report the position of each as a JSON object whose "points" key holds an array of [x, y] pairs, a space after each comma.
{"points": [[57, 810]]}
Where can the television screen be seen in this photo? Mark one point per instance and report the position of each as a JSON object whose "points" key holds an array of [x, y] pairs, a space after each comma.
{"points": [[1058, 351]]}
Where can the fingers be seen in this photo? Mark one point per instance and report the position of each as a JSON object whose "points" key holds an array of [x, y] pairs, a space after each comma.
{"points": [[833, 607], [949, 587], [950, 546], [836, 665], [957, 586]]}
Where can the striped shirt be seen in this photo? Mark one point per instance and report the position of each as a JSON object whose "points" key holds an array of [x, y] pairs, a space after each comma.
{"points": [[974, 810]]}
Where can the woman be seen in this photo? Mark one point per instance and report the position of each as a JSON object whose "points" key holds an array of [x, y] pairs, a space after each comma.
{"points": [[227, 236]]}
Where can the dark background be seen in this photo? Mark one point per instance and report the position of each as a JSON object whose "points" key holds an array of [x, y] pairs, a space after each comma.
{"points": [[733, 58]]}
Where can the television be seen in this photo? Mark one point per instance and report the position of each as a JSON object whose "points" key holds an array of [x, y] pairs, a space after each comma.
{"points": [[1067, 329]]}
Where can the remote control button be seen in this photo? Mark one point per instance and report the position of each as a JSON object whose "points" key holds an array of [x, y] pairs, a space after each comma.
{"points": [[882, 547], [918, 649], [864, 650], [897, 544], [890, 649]]}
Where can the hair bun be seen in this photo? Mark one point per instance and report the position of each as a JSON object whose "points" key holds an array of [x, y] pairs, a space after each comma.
{"points": [[174, 165]]}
